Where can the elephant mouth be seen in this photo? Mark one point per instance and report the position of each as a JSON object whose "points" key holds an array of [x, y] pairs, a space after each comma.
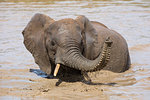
{"points": [[67, 74]]}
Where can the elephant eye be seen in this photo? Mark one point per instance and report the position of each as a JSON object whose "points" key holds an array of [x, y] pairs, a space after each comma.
{"points": [[52, 43]]}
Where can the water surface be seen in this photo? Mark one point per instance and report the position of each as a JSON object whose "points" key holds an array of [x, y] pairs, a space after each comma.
{"points": [[131, 18]]}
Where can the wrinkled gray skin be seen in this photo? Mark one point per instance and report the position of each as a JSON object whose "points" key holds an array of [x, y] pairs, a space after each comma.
{"points": [[76, 43]]}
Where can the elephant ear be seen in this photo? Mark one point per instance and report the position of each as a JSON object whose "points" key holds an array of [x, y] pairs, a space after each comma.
{"points": [[89, 36], [34, 40]]}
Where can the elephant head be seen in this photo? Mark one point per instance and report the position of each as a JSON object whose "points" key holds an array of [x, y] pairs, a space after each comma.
{"points": [[63, 42]]}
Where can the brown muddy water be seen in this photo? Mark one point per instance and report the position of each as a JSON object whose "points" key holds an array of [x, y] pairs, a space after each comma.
{"points": [[131, 18]]}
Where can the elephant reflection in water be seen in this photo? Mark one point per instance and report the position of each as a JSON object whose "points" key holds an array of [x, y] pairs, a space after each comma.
{"points": [[78, 45]]}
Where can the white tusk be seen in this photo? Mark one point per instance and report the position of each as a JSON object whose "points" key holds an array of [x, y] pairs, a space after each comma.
{"points": [[56, 69]]}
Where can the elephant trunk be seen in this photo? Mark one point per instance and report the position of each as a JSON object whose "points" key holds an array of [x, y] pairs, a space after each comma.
{"points": [[76, 60]]}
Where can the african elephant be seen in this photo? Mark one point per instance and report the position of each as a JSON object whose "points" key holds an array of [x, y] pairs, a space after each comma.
{"points": [[77, 43]]}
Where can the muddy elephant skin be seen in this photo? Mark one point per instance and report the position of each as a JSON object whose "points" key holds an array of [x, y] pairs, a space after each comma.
{"points": [[75, 43]]}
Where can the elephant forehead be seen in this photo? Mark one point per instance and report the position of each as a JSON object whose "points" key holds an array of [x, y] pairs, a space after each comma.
{"points": [[63, 29]]}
